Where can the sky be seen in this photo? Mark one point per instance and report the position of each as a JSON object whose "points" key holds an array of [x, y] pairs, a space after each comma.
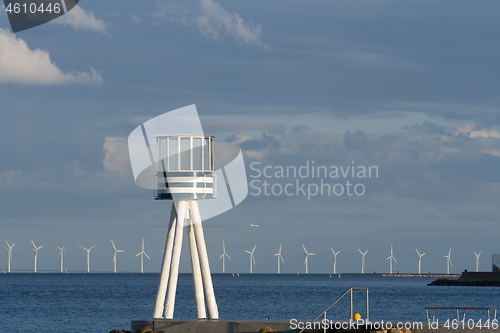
{"points": [[409, 88]]}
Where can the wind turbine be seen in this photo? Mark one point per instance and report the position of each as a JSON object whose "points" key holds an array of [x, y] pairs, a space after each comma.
{"points": [[9, 248], [391, 258], [362, 261], [36, 251], [88, 256], [114, 256], [61, 250], [335, 260], [142, 254], [477, 261], [419, 259], [280, 257], [251, 257], [307, 256], [448, 262], [224, 254]]}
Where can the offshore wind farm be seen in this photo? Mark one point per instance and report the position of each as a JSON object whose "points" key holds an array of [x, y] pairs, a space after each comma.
{"points": [[417, 269]]}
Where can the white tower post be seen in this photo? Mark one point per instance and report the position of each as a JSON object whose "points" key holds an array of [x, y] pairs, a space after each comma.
{"points": [[9, 248], [335, 260], [477, 260], [61, 258], [419, 260], [185, 174]]}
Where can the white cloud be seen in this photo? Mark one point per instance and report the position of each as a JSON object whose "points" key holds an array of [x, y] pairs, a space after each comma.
{"points": [[116, 160], [80, 19], [472, 131], [213, 22], [135, 18], [216, 22], [20, 64]]}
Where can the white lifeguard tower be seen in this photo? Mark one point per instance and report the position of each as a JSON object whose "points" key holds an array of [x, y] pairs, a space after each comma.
{"points": [[185, 174]]}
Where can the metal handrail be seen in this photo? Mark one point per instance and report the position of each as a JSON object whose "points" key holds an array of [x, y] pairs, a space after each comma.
{"points": [[328, 308], [458, 315]]}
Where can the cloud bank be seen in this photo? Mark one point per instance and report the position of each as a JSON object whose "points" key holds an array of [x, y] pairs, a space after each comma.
{"points": [[19, 64]]}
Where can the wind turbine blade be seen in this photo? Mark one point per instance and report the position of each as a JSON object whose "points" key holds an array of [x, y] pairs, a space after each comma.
{"points": [[221, 256], [477, 255], [228, 256], [138, 254], [147, 255], [120, 250], [39, 247], [33, 243], [388, 258], [280, 248], [223, 247], [248, 252], [304, 248], [282, 259], [7, 244], [451, 264], [423, 254], [417, 252], [305, 261], [312, 254], [92, 247], [394, 260], [449, 253], [332, 251], [366, 252], [114, 247], [254, 248], [253, 258], [360, 251], [82, 247]]}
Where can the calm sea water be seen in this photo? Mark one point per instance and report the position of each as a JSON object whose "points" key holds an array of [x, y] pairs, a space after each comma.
{"points": [[102, 302]]}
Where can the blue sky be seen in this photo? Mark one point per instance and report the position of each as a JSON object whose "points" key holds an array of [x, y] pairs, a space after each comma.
{"points": [[411, 88]]}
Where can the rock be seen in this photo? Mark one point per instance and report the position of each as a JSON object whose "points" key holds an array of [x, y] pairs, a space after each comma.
{"points": [[116, 331], [144, 330], [267, 329]]}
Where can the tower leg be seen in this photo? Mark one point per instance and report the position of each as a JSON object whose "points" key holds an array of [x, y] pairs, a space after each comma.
{"points": [[213, 312], [182, 207], [197, 279], [165, 267]]}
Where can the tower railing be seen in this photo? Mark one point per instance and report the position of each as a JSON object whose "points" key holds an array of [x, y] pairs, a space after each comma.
{"points": [[323, 314]]}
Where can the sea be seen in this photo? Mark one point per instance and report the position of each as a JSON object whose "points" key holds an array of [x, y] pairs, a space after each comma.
{"points": [[78, 302]]}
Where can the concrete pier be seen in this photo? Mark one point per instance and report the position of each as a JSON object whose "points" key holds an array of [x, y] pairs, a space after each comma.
{"points": [[284, 326]]}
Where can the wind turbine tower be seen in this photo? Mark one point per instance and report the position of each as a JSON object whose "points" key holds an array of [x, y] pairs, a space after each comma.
{"points": [[307, 254], [115, 251], [477, 260], [36, 251], [88, 256], [142, 254], [61, 252], [448, 262], [9, 248], [334, 260], [419, 259], [224, 254], [362, 261], [252, 259], [280, 258], [391, 258]]}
